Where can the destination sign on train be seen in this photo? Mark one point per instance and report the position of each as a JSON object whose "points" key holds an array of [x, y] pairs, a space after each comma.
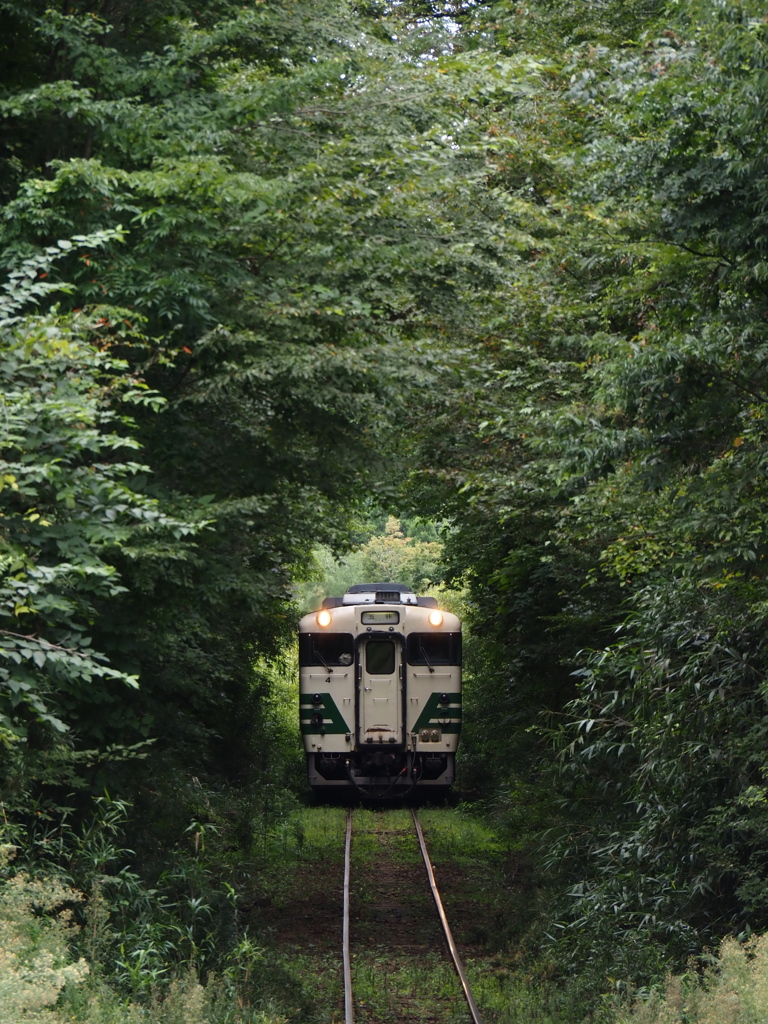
{"points": [[380, 618]]}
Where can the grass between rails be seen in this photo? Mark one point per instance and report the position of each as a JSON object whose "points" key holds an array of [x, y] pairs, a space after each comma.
{"points": [[400, 972], [432, 992], [391, 990]]}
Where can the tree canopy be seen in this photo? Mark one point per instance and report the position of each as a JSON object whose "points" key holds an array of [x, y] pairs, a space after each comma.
{"points": [[499, 266]]}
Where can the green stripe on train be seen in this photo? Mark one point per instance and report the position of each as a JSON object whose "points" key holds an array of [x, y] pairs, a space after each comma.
{"points": [[437, 714], [333, 722]]}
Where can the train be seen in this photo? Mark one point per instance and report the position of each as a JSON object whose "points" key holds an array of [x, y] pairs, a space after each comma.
{"points": [[380, 692]]}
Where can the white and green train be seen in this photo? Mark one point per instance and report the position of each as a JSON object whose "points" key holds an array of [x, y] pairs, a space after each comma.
{"points": [[380, 691]]}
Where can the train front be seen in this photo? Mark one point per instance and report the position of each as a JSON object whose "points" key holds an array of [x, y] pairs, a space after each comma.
{"points": [[380, 704]]}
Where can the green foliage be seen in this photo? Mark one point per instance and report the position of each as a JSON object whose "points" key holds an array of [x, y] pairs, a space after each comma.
{"points": [[68, 500], [386, 556], [148, 944], [401, 559], [601, 456], [233, 144], [665, 744], [41, 982], [296, 251]]}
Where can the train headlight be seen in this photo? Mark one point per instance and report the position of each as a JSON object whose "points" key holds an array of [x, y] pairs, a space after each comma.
{"points": [[435, 618], [323, 618]]}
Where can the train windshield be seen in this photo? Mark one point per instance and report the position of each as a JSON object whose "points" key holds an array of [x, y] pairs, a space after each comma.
{"points": [[434, 649], [326, 649], [380, 657]]}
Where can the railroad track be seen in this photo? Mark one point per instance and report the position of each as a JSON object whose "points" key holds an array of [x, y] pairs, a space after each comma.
{"points": [[349, 1005]]}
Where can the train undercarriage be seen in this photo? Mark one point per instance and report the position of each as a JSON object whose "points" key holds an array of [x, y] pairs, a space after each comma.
{"points": [[380, 771]]}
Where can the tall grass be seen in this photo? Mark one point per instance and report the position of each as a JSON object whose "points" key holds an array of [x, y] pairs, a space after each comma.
{"points": [[732, 989], [35, 930], [41, 982]]}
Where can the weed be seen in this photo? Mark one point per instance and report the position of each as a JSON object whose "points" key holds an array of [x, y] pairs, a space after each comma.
{"points": [[35, 930], [733, 989]]}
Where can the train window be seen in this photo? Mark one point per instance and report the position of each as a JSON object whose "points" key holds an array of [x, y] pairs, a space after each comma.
{"points": [[380, 657], [326, 649], [434, 649]]}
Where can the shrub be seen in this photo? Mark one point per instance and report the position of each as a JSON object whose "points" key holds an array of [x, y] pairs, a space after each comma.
{"points": [[35, 930], [733, 989]]}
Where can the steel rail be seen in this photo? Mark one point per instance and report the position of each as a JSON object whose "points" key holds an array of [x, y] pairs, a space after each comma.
{"points": [[349, 1006], [474, 1012]]}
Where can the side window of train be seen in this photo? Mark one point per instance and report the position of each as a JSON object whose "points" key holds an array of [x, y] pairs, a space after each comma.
{"points": [[434, 649], [380, 657], [326, 649]]}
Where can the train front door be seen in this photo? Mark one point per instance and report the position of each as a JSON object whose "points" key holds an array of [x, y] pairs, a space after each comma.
{"points": [[380, 718]]}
